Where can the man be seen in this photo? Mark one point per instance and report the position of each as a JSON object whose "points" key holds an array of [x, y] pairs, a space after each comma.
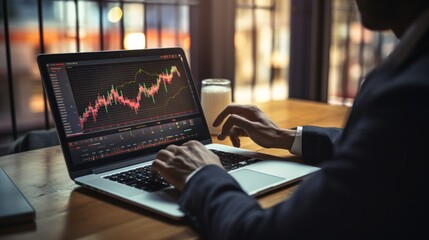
{"points": [[373, 181]]}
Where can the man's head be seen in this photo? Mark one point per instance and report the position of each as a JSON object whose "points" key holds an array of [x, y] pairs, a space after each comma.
{"points": [[393, 15]]}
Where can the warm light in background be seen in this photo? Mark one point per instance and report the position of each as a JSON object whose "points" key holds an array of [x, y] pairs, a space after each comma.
{"points": [[115, 14], [36, 104], [135, 40], [187, 43], [358, 34], [279, 60]]}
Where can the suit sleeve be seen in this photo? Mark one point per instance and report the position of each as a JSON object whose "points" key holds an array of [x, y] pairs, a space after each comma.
{"points": [[318, 143]]}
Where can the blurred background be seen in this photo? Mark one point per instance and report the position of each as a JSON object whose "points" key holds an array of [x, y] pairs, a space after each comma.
{"points": [[270, 49]]}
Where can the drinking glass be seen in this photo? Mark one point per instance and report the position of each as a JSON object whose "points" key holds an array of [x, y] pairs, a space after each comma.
{"points": [[215, 96]]}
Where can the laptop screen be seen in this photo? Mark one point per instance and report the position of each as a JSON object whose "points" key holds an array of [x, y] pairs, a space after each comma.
{"points": [[114, 107]]}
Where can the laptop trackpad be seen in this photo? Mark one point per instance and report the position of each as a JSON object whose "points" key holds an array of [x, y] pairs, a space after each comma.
{"points": [[252, 181]]}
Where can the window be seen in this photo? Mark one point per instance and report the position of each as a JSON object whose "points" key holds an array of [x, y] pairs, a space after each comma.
{"points": [[262, 50], [354, 51]]}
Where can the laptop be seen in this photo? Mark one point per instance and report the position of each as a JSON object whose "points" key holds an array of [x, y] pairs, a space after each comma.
{"points": [[114, 110]]}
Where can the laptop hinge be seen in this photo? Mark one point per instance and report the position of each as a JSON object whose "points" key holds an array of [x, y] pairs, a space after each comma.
{"points": [[123, 164], [207, 141]]}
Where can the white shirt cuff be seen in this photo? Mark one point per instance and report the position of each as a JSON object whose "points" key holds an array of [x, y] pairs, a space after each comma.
{"points": [[192, 174], [296, 148]]}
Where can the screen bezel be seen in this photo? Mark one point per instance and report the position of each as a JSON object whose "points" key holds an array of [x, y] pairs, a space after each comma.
{"points": [[86, 168]]}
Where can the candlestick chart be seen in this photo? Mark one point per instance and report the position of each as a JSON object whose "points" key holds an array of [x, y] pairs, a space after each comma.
{"points": [[129, 93]]}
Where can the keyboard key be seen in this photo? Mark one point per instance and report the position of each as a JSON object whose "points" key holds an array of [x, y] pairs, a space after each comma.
{"points": [[231, 161]]}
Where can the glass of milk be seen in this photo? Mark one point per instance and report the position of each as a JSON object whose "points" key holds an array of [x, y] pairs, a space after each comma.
{"points": [[215, 96]]}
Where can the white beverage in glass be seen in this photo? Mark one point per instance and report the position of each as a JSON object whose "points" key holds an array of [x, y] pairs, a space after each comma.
{"points": [[215, 96]]}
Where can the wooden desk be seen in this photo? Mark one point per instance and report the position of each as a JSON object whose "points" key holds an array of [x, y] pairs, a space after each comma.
{"points": [[66, 210]]}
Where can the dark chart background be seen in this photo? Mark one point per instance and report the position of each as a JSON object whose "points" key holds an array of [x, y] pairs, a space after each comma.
{"points": [[90, 81]]}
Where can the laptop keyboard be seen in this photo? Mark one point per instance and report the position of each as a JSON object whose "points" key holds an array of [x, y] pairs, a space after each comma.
{"points": [[141, 178], [231, 161]]}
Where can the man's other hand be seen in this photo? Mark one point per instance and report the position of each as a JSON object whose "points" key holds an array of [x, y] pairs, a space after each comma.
{"points": [[175, 163]]}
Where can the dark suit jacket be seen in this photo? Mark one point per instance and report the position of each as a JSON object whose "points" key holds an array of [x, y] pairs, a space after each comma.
{"points": [[374, 177]]}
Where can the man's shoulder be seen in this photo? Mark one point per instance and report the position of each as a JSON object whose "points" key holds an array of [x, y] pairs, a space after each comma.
{"points": [[417, 63], [415, 72]]}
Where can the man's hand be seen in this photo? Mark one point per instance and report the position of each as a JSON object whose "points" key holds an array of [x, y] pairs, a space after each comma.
{"points": [[250, 121], [175, 163]]}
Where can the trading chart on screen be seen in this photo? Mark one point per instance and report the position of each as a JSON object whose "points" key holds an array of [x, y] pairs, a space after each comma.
{"points": [[128, 93]]}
